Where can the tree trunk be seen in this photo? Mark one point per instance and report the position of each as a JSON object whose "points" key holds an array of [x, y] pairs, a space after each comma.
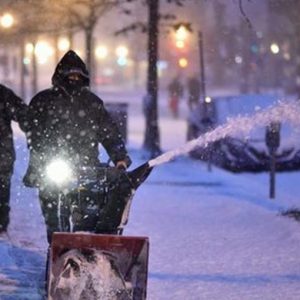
{"points": [[152, 140], [34, 71], [89, 52], [22, 70]]}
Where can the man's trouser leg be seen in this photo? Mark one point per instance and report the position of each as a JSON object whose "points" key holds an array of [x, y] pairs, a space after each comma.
{"points": [[53, 212], [4, 200]]}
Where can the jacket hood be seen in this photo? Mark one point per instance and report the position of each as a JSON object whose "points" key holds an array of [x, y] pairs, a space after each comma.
{"points": [[70, 63]]}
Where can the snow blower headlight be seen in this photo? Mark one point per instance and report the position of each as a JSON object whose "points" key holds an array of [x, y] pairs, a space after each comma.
{"points": [[58, 171]]}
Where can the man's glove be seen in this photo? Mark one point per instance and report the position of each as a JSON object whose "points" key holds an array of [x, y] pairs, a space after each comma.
{"points": [[121, 165]]}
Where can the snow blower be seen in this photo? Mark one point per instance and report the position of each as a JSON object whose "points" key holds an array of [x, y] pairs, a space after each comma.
{"points": [[89, 258]]}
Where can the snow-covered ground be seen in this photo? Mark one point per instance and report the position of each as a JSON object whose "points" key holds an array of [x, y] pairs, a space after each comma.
{"points": [[213, 235]]}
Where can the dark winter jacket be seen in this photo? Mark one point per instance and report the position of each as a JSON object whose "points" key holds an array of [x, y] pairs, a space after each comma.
{"points": [[12, 108], [70, 121]]}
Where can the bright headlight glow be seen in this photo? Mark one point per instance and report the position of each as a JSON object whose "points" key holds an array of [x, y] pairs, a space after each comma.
{"points": [[58, 171]]}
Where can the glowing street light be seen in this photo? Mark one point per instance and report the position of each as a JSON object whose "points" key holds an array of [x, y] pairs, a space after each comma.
{"points": [[101, 52], [26, 60], [29, 48], [207, 99], [183, 62], [122, 61], [181, 33], [63, 44], [43, 51], [274, 48], [7, 20], [122, 51], [238, 59], [180, 44]]}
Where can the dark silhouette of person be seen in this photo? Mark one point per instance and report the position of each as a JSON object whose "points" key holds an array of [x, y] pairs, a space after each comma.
{"points": [[176, 90], [194, 91], [69, 122], [12, 108]]}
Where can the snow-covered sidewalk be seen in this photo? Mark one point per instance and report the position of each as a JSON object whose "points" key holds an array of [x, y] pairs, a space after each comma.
{"points": [[216, 235], [213, 235]]}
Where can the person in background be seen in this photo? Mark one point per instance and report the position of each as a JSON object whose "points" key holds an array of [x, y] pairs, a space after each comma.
{"points": [[194, 91], [70, 121], [12, 108], [176, 90]]}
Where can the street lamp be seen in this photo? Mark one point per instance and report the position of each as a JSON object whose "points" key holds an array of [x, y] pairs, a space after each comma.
{"points": [[7, 20], [181, 33], [101, 52], [208, 100], [274, 48], [43, 51], [63, 44], [183, 62], [29, 48], [122, 51]]}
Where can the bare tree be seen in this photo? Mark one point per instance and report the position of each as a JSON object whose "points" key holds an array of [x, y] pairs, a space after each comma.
{"points": [[84, 15], [152, 136], [152, 139], [59, 16]]}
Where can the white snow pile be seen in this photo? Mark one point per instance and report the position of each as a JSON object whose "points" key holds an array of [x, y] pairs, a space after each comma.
{"points": [[86, 275]]}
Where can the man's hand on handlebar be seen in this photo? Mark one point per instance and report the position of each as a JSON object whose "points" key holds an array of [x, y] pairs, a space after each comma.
{"points": [[121, 165]]}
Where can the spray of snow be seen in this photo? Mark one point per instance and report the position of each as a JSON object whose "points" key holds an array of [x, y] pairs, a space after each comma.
{"points": [[288, 112]]}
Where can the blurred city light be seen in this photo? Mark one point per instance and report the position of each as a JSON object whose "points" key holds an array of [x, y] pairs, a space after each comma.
{"points": [[43, 51], [122, 61], [122, 51], [238, 59], [7, 20], [101, 52], [162, 64], [286, 56], [274, 48], [26, 61], [259, 34], [63, 44], [183, 62], [108, 72], [180, 44], [181, 33], [207, 99], [29, 48], [254, 48]]}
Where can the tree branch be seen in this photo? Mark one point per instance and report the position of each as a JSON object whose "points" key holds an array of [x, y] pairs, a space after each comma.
{"points": [[244, 14]]}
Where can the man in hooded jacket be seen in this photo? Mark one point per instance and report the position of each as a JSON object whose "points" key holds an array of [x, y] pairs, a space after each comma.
{"points": [[68, 121], [12, 108]]}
